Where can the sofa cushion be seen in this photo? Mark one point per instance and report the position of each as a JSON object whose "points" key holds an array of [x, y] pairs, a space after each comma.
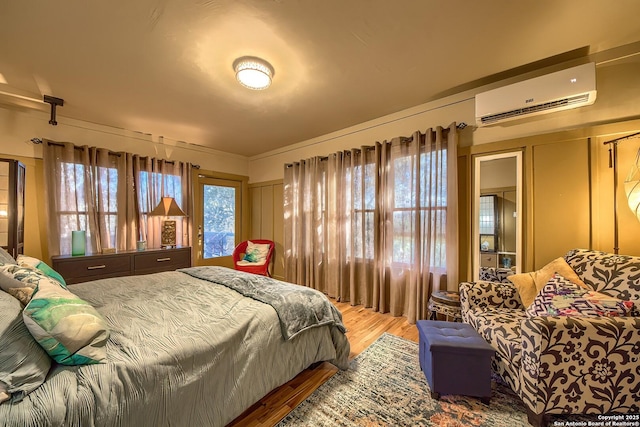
{"points": [[500, 328], [560, 297], [614, 275], [530, 284]]}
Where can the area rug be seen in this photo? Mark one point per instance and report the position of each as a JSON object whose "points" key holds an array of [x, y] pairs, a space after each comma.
{"points": [[385, 387]]}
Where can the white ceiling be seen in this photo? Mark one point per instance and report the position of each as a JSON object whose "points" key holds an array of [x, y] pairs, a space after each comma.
{"points": [[164, 67]]}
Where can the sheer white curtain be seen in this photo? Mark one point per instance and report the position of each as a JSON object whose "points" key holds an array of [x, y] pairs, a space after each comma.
{"points": [[108, 194], [377, 225]]}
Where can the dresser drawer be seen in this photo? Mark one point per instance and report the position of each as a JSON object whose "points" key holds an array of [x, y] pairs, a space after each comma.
{"points": [[166, 260], [75, 270]]}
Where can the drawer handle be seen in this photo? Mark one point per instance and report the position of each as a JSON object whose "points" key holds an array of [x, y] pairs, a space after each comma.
{"points": [[163, 259], [96, 267]]}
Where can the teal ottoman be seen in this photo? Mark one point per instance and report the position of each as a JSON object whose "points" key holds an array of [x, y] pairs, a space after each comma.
{"points": [[455, 359]]}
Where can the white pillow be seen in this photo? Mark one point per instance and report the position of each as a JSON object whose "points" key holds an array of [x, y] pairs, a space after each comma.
{"points": [[256, 253]]}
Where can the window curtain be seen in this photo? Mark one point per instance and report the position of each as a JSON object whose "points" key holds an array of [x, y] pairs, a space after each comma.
{"points": [[156, 178], [102, 193], [377, 225]]}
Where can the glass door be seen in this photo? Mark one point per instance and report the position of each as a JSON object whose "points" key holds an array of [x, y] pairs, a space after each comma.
{"points": [[218, 220]]}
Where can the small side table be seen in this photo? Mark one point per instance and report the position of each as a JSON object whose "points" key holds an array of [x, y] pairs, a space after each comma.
{"points": [[446, 303]]}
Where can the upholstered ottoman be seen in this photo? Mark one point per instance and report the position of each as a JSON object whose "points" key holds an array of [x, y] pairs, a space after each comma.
{"points": [[455, 359]]}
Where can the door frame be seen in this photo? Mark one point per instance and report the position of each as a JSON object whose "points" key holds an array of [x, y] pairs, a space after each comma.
{"points": [[245, 214]]}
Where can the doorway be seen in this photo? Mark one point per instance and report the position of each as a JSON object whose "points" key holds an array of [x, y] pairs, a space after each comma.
{"points": [[219, 219]]}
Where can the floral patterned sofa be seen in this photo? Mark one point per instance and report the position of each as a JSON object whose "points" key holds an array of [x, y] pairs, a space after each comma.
{"points": [[565, 364]]}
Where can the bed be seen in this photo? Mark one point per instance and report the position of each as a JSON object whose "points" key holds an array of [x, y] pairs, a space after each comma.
{"points": [[186, 349]]}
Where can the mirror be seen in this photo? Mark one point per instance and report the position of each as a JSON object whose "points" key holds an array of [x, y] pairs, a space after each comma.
{"points": [[497, 224]]}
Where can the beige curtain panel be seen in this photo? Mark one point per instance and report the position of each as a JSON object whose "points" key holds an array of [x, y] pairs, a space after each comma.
{"points": [[108, 195], [376, 225]]}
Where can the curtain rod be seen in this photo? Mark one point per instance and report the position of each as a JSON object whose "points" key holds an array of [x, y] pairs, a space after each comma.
{"points": [[614, 141], [59, 144], [75, 147], [403, 140], [613, 164], [346, 152]]}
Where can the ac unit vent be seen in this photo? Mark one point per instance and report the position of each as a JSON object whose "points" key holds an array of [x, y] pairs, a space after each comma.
{"points": [[578, 99], [563, 90]]}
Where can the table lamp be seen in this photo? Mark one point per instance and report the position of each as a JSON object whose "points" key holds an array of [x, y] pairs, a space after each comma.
{"points": [[167, 208]]}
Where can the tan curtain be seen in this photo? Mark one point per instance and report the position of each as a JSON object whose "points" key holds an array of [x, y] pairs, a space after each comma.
{"points": [[77, 182], [376, 225], [154, 179], [101, 192]]}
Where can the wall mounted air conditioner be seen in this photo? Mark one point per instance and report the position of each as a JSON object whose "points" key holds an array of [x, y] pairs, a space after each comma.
{"points": [[562, 90]]}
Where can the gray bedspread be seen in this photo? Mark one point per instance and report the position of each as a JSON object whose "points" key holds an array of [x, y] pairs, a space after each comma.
{"points": [[299, 308], [183, 352]]}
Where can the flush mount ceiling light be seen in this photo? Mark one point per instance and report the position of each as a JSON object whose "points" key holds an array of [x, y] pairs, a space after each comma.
{"points": [[252, 72]]}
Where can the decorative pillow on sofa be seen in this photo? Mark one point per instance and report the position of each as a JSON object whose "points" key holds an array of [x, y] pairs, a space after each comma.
{"points": [[256, 253], [561, 297], [23, 363], [530, 284], [69, 329], [27, 261]]}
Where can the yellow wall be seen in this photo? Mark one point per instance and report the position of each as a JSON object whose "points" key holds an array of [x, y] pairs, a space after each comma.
{"points": [[568, 193], [35, 242], [267, 219]]}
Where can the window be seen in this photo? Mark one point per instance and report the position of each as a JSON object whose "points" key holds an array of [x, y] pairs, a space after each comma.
{"points": [[109, 195], [74, 207], [155, 183], [488, 218], [424, 208], [411, 209], [364, 203]]}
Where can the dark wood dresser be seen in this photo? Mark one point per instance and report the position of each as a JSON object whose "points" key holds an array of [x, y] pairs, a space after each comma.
{"points": [[77, 269]]}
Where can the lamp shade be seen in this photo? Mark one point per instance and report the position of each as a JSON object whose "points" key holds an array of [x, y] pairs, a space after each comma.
{"points": [[167, 207], [632, 187]]}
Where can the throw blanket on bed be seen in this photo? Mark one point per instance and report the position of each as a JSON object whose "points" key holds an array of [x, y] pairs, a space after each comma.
{"points": [[298, 307]]}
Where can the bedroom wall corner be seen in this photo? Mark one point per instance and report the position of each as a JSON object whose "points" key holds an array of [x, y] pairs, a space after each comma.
{"points": [[267, 218]]}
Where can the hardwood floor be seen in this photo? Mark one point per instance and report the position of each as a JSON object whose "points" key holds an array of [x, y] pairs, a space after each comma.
{"points": [[364, 327]]}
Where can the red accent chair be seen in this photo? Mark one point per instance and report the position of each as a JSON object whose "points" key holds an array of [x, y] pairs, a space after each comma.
{"points": [[262, 269]]}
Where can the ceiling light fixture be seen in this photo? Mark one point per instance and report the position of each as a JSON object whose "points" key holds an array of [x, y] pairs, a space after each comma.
{"points": [[252, 72]]}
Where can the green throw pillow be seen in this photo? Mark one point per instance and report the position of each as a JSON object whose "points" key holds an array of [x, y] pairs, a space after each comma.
{"points": [[69, 329]]}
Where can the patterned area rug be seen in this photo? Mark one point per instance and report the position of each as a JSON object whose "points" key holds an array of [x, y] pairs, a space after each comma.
{"points": [[385, 387]]}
